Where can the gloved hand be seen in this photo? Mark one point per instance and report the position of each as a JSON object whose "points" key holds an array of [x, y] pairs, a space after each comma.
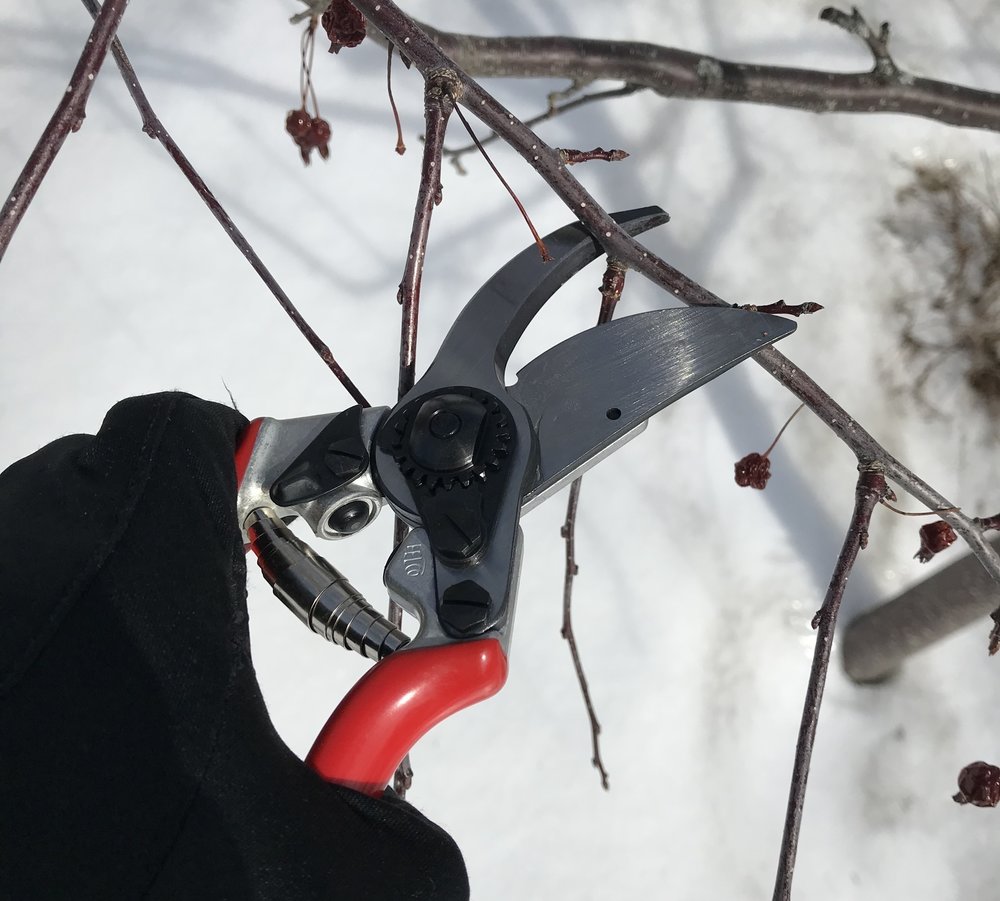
{"points": [[137, 759]]}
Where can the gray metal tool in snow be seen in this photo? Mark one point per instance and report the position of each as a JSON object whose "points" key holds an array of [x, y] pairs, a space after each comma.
{"points": [[460, 458]]}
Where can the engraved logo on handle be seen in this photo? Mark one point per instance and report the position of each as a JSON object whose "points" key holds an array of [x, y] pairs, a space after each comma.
{"points": [[413, 560]]}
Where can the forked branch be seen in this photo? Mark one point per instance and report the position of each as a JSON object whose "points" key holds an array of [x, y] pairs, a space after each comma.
{"points": [[672, 72]]}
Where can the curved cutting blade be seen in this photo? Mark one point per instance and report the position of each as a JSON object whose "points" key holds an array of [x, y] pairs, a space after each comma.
{"points": [[477, 347], [593, 392]]}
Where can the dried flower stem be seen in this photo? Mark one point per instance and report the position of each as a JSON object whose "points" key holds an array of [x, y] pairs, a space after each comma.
{"points": [[542, 249], [152, 126], [307, 49], [885, 503], [871, 488], [781, 431], [400, 144], [68, 116]]}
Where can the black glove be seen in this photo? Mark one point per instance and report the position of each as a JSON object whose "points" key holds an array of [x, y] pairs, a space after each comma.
{"points": [[137, 759]]}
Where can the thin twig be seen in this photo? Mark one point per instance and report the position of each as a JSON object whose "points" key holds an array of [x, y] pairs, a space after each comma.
{"points": [[439, 103], [426, 55], [456, 155], [871, 488], [878, 43], [152, 126], [572, 569], [68, 117], [573, 157], [782, 308], [438, 106], [611, 291], [569, 533]]}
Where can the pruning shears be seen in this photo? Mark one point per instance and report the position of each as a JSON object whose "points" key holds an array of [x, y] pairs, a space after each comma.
{"points": [[460, 458]]}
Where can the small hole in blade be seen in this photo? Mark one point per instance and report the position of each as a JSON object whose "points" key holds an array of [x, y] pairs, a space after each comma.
{"points": [[614, 413]]}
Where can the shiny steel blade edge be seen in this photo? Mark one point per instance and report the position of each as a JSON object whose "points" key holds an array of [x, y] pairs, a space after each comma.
{"points": [[592, 393]]}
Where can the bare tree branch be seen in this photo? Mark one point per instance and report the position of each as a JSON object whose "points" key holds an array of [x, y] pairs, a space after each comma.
{"points": [[684, 74], [871, 488], [69, 116]]}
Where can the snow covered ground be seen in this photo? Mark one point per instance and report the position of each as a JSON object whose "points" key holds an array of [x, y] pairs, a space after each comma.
{"points": [[694, 597]]}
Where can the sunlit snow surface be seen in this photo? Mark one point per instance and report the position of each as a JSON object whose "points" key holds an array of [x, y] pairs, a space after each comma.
{"points": [[694, 597]]}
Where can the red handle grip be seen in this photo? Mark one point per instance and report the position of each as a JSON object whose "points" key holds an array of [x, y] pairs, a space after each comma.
{"points": [[244, 448], [396, 702]]}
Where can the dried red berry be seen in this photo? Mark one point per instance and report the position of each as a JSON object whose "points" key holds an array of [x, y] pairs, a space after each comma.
{"points": [[979, 785], [934, 538], [344, 25], [297, 124], [988, 523], [319, 136], [753, 470], [309, 133]]}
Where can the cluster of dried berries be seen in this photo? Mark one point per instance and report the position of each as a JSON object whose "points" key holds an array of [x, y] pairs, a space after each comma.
{"points": [[309, 133], [344, 25], [753, 471], [934, 538], [979, 785]]}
